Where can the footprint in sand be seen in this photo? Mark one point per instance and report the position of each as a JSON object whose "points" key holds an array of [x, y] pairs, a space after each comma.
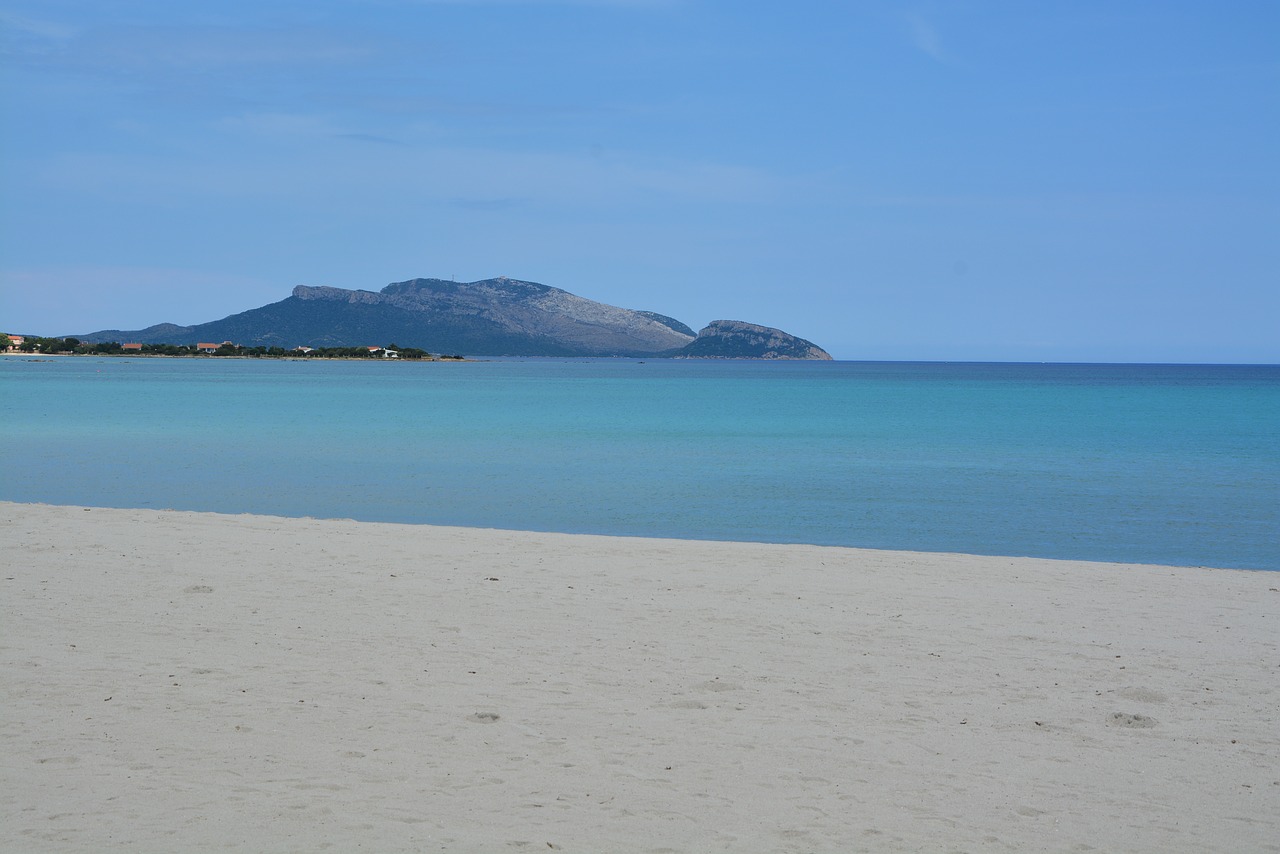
{"points": [[199, 588], [687, 704], [1142, 695], [484, 717], [1130, 721], [716, 685]]}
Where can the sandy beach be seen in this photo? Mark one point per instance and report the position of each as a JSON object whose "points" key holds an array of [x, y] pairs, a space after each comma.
{"points": [[178, 681]]}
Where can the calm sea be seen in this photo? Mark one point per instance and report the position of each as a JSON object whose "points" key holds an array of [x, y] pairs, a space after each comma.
{"points": [[1158, 464]]}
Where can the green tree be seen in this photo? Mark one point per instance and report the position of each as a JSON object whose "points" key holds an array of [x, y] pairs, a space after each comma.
{"points": [[49, 345]]}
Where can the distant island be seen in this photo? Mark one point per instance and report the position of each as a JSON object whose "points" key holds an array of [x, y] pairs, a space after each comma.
{"points": [[492, 317]]}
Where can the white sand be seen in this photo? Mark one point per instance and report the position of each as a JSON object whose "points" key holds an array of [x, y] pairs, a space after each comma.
{"points": [[191, 682]]}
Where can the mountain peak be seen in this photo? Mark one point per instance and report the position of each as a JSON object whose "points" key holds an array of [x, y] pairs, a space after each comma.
{"points": [[325, 292]]}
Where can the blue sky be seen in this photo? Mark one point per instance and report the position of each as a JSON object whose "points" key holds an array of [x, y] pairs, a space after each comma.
{"points": [[974, 179]]}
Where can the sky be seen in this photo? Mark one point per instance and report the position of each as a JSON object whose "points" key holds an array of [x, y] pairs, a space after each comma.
{"points": [[1096, 180]]}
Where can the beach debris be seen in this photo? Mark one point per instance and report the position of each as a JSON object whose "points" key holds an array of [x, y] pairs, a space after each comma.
{"points": [[485, 717]]}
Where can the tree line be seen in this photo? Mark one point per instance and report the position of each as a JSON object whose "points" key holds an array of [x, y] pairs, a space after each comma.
{"points": [[49, 346]]}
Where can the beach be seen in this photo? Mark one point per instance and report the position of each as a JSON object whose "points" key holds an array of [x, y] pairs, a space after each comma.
{"points": [[180, 681]]}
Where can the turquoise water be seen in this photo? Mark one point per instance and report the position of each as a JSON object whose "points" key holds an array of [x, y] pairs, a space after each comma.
{"points": [[1159, 464]]}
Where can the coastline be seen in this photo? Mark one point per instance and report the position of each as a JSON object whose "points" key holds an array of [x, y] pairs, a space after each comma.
{"points": [[190, 680], [37, 357]]}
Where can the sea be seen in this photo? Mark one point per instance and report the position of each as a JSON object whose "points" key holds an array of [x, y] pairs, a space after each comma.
{"points": [[1164, 464]]}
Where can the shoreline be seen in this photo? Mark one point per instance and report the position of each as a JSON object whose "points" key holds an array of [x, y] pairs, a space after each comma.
{"points": [[37, 357], [178, 679], [641, 538]]}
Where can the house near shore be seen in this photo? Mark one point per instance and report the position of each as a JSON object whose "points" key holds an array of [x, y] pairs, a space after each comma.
{"points": [[137, 347], [383, 352], [303, 349], [15, 341], [206, 347]]}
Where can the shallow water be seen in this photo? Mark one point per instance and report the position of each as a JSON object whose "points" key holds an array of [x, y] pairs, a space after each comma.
{"points": [[1157, 464]]}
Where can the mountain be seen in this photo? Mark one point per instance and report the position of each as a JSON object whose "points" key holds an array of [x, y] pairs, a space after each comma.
{"points": [[493, 317], [733, 339]]}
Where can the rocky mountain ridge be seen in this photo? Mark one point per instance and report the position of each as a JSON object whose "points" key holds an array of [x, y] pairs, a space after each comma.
{"points": [[491, 317], [736, 339]]}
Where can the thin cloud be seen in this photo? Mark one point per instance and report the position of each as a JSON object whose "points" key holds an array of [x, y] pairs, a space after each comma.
{"points": [[306, 175], [23, 36], [53, 301], [410, 104], [298, 126], [620, 4], [205, 48], [924, 36], [160, 50], [368, 137], [484, 204], [278, 125]]}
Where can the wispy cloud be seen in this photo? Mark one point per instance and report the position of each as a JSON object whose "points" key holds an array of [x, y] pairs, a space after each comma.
{"points": [[641, 4], [24, 36], [924, 36], [305, 175], [278, 125], [409, 103], [484, 204], [160, 50], [53, 300], [368, 137], [35, 27], [208, 48], [296, 127]]}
